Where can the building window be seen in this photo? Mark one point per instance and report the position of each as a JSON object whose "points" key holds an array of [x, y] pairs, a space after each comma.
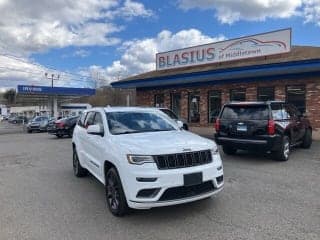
{"points": [[296, 95], [194, 107], [214, 105], [238, 94], [175, 103], [159, 100], [265, 94]]}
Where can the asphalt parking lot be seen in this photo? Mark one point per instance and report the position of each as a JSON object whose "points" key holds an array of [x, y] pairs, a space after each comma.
{"points": [[263, 199]]}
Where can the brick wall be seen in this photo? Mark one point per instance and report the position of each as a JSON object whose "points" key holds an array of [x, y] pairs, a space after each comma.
{"points": [[146, 97]]}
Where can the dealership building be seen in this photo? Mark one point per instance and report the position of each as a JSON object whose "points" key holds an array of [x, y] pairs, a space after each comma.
{"points": [[195, 82]]}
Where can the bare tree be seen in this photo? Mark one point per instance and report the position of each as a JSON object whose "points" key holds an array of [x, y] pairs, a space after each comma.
{"points": [[110, 96]]}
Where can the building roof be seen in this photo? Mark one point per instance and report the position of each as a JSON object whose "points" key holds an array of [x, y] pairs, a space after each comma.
{"points": [[28, 95], [298, 59]]}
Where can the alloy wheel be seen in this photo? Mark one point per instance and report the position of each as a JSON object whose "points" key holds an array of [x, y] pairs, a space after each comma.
{"points": [[286, 149], [75, 163], [113, 195]]}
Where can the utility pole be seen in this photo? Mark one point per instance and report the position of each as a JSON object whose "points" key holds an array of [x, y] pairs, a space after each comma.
{"points": [[97, 80], [52, 77]]}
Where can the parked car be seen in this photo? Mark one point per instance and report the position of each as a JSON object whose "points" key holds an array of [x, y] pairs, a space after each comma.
{"points": [[45, 123], [144, 159], [273, 126], [213, 115], [10, 118], [63, 126], [173, 116], [18, 120], [34, 124]]}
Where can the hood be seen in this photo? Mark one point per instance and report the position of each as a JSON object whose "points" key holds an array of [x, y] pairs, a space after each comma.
{"points": [[153, 143]]}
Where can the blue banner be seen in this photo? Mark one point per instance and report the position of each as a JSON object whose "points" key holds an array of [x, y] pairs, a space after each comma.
{"points": [[45, 90]]}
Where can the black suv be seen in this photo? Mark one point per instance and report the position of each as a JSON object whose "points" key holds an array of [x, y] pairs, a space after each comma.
{"points": [[273, 126]]}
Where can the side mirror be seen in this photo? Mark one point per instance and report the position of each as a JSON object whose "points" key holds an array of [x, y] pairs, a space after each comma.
{"points": [[180, 123], [95, 130]]}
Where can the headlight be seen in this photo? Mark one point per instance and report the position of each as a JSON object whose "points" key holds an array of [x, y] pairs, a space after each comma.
{"points": [[215, 151], [140, 159]]}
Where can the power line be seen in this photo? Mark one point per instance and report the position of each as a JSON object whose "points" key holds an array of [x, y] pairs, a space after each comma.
{"points": [[36, 73], [41, 66]]}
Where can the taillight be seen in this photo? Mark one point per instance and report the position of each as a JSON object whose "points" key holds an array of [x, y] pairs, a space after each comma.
{"points": [[59, 124], [217, 125], [271, 127]]}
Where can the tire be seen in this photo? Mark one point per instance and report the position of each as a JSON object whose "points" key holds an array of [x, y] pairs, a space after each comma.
{"points": [[116, 199], [78, 170], [185, 127], [229, 150], [29, 131], [59, 135], [283, 153], [307, 139]]}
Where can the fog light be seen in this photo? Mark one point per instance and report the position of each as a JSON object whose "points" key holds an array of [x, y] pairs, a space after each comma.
{"points": [[148, 193], [140, 179], [220, 179]]}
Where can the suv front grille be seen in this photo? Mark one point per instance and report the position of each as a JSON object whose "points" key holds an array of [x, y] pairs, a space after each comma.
{"points": [[182, 160]]}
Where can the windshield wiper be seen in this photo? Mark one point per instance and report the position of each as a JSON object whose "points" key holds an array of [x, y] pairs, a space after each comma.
{"points": [[126, 132], [142, 131], [157, 130]]}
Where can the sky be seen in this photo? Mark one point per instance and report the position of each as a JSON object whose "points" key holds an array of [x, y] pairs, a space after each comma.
{"points": [[92, 43]]}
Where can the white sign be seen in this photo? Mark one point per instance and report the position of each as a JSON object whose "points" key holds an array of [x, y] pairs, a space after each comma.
{"points": [[252, 46]]}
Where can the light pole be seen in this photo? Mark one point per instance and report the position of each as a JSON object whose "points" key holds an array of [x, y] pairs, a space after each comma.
{"points": [[52, 77]]}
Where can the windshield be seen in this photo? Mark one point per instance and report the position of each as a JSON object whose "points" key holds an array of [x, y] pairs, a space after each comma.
{"points": [[241, 112], [37, 119], [136, 122], [169, 113]]}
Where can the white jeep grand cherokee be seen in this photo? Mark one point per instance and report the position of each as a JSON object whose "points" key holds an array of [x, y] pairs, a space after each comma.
{"points": [[144, 159]]}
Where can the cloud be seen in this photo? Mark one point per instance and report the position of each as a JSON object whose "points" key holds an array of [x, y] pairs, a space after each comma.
{"points": [[81, 53], [311, 11], [27, 28], [230, 11], [17, 70], [129, 10], [138, 56]]}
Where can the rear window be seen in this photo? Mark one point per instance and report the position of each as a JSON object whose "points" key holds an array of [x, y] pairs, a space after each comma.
{"points": [[255, 112]]}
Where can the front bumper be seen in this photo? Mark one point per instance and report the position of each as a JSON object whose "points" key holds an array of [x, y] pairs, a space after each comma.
{"points": [[33, 127], [167, 180], [148, 205], [43, 128]]}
